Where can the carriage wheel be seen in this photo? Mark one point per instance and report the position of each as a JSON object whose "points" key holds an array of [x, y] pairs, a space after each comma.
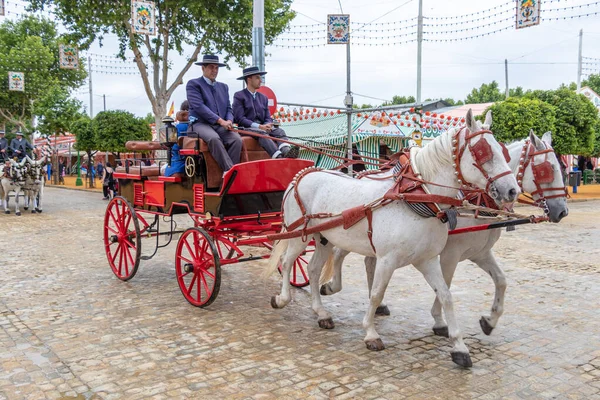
{"points": [[299, 275], [190, 166], [122, 241], [197, 267]]}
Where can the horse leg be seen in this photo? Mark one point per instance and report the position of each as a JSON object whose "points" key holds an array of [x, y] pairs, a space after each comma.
{"points": [[448, 263], [39, 195], [294, 249], [432, 272], [335, 285], [383, 273], [370, 263], [26, 199], [487, 262], [320, 256], [17, 193], [5, 199]]}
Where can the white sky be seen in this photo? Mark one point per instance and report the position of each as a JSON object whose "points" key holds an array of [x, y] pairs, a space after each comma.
{"points": [[540, 57]]}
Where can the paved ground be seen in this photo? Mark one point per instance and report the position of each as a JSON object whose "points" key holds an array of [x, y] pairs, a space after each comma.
{"points": [[69, 329]]}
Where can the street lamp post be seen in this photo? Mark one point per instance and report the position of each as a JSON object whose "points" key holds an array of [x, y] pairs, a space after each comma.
{"points": [[78, 181]]}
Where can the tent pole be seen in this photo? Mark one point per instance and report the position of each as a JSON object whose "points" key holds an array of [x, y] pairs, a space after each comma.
{"points": [[348, 101]]}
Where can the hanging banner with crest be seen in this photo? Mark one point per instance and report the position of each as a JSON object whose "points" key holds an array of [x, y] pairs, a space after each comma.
{"points": [[142, 17], [338, 28], [528, 13], [16, 81], [2, 12], [68, 56]]}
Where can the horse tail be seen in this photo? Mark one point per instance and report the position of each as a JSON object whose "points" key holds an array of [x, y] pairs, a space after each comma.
{"points": [[276, 254], [327, 270]]}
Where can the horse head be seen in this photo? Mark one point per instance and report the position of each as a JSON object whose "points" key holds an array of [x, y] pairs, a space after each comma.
{"points": [[17, 170], [35, 171], [540, 175], [479, 160]]}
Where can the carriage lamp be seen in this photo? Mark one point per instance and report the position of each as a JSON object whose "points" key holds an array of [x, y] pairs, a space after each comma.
{"points": [[169, 132]]}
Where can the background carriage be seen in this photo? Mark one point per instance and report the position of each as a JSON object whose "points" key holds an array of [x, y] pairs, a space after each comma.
{"points": [[227, 211]]}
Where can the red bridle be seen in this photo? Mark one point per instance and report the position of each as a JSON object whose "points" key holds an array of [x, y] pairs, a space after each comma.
{"points": [[481, 153], [543, 173]]}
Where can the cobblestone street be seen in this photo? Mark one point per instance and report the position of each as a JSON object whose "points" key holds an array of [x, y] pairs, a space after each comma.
{"points": [[70, 329]]}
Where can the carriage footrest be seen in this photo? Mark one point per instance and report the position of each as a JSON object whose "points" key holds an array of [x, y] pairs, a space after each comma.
{"points": [[188, 152], [170, 178]]}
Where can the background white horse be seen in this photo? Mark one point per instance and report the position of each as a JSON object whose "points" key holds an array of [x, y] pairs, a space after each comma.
{"points": [[397, 231], [34, 184], [12, 180], [477, 246]]}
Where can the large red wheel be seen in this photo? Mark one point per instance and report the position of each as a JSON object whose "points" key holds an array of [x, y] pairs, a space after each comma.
{"points": [[299, 274], [122, 241], [198, 267]]}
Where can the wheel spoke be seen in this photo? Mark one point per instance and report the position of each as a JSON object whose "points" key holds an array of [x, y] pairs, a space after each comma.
{"points": [[121, 261], [125, 261], [115, 255], [298, 263], [127, 220], [130, 257], [117, 225], [185, 242], [111, 229], [198, 288], [184, 259], [208, 273], [206, 290], [189, 289]]}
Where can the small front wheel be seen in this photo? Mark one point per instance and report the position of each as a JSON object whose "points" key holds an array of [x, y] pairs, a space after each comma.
{"points": [[198, 267]]}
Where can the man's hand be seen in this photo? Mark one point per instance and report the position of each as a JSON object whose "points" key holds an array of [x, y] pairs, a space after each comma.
{"points": [[225, 124], [266, 127]]}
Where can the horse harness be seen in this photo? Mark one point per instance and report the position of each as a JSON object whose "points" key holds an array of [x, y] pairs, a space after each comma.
{"points": [[408, 187]]}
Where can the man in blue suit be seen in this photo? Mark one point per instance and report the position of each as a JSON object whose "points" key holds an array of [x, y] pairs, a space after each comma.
{"points": [[211, 115], [251, 111]]}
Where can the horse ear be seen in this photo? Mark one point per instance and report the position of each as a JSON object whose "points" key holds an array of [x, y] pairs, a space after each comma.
{"points": [[547, 138], [471, 124], [488, 118], [537, 143]]}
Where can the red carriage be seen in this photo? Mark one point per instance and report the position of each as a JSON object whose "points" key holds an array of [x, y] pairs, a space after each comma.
{"points": [[239, 208]]}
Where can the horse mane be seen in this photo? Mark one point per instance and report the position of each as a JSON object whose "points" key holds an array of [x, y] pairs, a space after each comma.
{"points": [[436, 156]]}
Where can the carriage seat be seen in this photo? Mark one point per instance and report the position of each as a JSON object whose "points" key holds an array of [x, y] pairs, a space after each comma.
{"points": [[140, 170], [141, 145], [251, 151]]}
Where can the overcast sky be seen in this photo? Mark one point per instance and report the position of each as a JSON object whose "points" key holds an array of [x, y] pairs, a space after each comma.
{"points": [[540, 57]]}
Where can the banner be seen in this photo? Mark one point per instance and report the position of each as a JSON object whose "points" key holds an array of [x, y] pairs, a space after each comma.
{"points": [[142, 17], [2, 12], [528, 13], [16, 81], [338, 28], [68, 56]]}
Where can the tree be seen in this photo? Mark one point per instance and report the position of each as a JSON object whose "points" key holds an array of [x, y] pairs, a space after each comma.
{"points": [[515, 117], [209, 25], [83, 130], [596, 151], [30, 45], [400, 100], [487, 92], [576, 119], [593, 82], [112, 129], [516, 92]]}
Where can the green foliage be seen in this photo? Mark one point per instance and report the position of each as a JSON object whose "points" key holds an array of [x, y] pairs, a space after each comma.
{"points": [[596, 151], [149, 118], [30, 45], [83, 130], [57, 111], [516, 92], [487, 92], [362, 106], [593, 82], [515, 117], [400, 100], [576, 119], [219, 26], [112, 129]]}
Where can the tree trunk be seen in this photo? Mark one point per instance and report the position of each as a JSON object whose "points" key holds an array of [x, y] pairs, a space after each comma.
{"points": [[89, 168], [159, 114]]}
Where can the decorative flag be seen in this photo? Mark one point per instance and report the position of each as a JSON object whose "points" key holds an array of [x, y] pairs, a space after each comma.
{"points": [[528, 13], [68, 56], [2, 12], [172, 109], [142, 17], [338, 28], [16, 81]]}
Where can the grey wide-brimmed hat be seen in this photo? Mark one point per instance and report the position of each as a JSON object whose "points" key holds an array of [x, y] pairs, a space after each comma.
{"points": [[19, 133], [251, 71], [210, 59], [2, 132]]}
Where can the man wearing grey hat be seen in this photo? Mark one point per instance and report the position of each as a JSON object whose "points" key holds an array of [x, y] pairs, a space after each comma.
{"points": [[19, 146], [211, 115], [251, 110], [3, 147]]}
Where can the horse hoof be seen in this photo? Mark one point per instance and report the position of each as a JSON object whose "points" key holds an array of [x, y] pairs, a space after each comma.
{"points": [[382, 310], [462, 359], [485, 326], [375, 345], [324, 291], [26, 208], [40, 211], [274, 302], [443, 331], [18, 213], [33, 211], [326, 323], [6, 212]]}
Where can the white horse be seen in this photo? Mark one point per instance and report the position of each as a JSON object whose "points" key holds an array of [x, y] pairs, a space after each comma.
{"points": [[397, 236], [12, 180], [34, 184], [526, 156]]}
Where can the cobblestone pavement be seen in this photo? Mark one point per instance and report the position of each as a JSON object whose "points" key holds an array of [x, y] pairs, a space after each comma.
{"points": [[70, 329]]}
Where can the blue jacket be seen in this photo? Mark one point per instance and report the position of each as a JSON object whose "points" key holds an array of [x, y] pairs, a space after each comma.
{"points": [[208, 103], [247, 109]]}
